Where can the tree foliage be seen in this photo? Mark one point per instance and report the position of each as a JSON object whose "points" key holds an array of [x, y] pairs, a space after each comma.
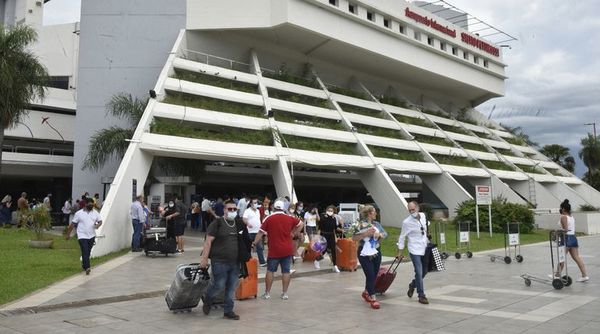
{"points": [[559, 154], [503, 212]]}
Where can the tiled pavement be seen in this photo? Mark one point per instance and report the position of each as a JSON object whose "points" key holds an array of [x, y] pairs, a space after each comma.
{"points": [[471, 296]]}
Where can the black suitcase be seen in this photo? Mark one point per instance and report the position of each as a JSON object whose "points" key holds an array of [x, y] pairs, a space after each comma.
{"points": [[156, 241], [187, 288]]}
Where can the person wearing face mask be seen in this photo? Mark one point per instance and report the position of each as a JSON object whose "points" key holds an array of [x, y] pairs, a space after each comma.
{"points": [[176, 215], [251, 218], [226, 256], [327, 227], [138, 218], [86, 221], [414, 227]]}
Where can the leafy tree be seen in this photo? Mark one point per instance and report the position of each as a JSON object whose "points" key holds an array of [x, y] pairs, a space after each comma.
{"points": [[111, 143], [503, 212], [590, 153], [22, 76], [518, 132], [559, 154]]}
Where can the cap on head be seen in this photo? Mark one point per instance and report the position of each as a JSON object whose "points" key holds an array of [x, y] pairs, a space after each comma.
{"points": [[279, 205]]}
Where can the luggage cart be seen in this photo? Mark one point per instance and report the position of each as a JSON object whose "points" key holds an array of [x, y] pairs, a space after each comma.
{"points": [[463, 239], [512, 244], [557, 256], [440, 238]]}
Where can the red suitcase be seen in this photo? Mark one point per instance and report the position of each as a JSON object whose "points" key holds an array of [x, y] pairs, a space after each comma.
{"points": [[385, 277]]}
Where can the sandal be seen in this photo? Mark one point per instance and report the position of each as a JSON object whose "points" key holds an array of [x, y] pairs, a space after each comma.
{"points": [[375, 304], [366, 297]]}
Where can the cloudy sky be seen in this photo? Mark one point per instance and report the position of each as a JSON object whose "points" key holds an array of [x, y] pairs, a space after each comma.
{"points": [[553, 68]]}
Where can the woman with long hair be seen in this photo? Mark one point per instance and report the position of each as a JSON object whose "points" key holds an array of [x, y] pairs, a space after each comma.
{"points": [[567, 223]]}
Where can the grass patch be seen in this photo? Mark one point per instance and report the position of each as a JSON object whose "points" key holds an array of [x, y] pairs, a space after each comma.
{"points": [[212, 132], [555, 172], [348, 92], [215, 81], [389, 247], [505, 151], [203, 102], [288, 117], [360, 110], [452, 128], [515, 141], [497, 165], [484, 135], [298, 98], [284, 76], [473, 146], [392, 153], [412, 120], [394, 102], [433, 140], [320, 145], [530, 169], [455, 160], [435, 112], [25, 270], [377, 131]]}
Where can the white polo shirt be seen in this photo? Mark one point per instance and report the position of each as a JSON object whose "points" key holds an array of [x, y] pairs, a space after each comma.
{"points": [[417, 239], [253, 217], [85, 223]]}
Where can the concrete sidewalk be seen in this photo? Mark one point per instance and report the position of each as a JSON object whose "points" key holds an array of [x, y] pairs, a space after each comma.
{"points": [[126, 295]]}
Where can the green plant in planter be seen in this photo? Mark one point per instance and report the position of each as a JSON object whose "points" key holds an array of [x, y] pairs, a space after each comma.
{"points": [[587, 208], [393, 153], [412, 120], [530, 169], [473, 146], [348, 92], [297, 98], [38, 220], [434, 112], [433, 140], [394, 102], [455, 160], [503, 212], [215, 81], [497, 165], [360, 110], [452, 128], [294, 118], [505, 151], [377, 131], [203, 102]]}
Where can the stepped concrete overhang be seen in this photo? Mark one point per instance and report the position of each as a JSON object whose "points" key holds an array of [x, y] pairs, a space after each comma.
{"points": [[333, 34]]}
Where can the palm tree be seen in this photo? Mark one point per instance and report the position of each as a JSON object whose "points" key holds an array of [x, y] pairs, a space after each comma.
{"points": [[518, 132], [112, 143], [22, 76], [559, 154], [590, 154]]}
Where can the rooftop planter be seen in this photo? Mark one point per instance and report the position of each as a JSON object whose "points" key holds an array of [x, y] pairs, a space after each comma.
{"points": [[463, 116], [433, 140], [454, 129], [412, 120], [212, 80], [377, 131], [212, 132], [394, 102], [203, 102], [360, 110], [530, 155], [348, 92], [515, 141], [288, 117], [497, 165], [555, 172], [455, 160], [392, 153], [484, 135], [298, 98], [473, 146], [435, 112], [319, 145], [505, 151], [283, 75], [530, 169]]}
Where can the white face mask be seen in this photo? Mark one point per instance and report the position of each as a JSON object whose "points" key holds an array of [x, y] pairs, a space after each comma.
{"points": [[415, 215], [171, 204], [231, 215], [292, 210], [330, 213], [254, 205]]}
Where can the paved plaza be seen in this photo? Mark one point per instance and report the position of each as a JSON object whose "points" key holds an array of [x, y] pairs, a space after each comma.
{"points": [[126, 295]]}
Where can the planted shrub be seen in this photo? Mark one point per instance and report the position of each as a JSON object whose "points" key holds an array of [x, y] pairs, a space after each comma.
{"points": [[348, 92], [435, 112], [212, 132], [203, 102], [215, 81], [484, 135], [394, 102], [320, 145], [393, 153], [497, 165], [515, 141], [555, 172], [455, 160], [377, 131], [360, 110], [503, 212], [433, 140], [283, 74], [505, 152], [412, 120], [452, 128], [298, 98], [587, 208], [283, 116], [530, 169]]}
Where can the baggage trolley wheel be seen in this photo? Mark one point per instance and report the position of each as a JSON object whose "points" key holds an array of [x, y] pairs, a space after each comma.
{"points": [[519, 258], [557, 283], [457, 255], [469, 254], [567, 280], [493, 258], [507, 260], [445, 255], [527, 282]]}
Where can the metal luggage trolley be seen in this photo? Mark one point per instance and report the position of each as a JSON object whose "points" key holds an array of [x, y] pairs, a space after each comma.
{"points": [[512, 243], [557, 256], [440, 238], [463, 239]]}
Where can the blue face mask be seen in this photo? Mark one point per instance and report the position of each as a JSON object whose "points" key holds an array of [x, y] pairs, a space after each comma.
{"points": [[415, 215]]}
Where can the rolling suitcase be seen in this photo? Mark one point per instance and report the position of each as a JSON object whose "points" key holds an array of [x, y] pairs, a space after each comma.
{"points": [[248, 287], [346, 254], [156, 241], [385, 277], [187, 288], [309, 255]]}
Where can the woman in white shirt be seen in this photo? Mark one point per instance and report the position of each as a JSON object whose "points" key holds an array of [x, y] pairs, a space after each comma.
{"points": [[311, 218], [415, 228], [567, 223]]}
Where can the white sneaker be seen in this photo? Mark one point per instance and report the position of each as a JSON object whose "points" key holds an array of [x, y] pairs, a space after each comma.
{"points": [[266, 295], [292, 271], [317, 265], [583, 279], [336, 269], [285, 296]]}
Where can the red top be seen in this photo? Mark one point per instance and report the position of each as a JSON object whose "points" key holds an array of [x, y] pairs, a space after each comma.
{"points": [[278, 226]]}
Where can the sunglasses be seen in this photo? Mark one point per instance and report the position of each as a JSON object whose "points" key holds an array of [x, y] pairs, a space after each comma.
{"points": [[422, 231], [231, 209]]}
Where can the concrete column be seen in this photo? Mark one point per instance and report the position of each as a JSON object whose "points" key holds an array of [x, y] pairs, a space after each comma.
{"points": [[562, 192], [543, 198], [386, 195], [447, 189], [501, 189], [590, 194]]}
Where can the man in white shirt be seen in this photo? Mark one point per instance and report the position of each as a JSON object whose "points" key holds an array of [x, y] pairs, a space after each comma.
{"points": [[415, 228], [138, 218], [86, 221], [242, 204], [206, 213], [252, 220], [66, 210]]}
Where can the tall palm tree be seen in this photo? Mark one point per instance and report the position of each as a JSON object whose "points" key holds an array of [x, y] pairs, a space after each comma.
{"points": [[111, 143], [559, 154], [590, 154], [22, 76]]}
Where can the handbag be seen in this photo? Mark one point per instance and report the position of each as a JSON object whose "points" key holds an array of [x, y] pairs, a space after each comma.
{"points": [[435, 262]]}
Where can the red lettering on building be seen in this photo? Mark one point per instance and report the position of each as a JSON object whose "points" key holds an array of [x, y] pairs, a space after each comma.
{"points": [[481, 45], [430, 23]]}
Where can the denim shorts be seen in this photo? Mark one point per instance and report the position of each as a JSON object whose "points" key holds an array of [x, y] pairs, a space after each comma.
{"points": [[571, 241], [274, 262]]}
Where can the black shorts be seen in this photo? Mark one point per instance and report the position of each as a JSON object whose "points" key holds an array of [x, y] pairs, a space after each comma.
{"points": [[178, 229]]}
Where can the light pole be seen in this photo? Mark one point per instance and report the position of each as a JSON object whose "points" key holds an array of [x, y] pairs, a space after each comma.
{"points": [[593, 124]]}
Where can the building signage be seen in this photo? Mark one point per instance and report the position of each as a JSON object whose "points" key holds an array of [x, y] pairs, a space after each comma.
{"points": [[430, 23], [483, 195], [465, 38]]}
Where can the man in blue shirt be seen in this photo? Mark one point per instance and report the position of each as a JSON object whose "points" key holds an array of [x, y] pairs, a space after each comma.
{"points": [[138, 218]]}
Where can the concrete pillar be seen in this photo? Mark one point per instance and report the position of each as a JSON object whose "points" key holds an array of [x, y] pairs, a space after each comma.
{"points": [[283, 179], [447, 189], [543, 198], [386, 195], [501, 189], [562, 192], [586, 191]]}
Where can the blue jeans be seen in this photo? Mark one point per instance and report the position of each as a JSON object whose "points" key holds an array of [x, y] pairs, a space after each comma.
{"points": [[137, 234], [225, 275], [259, 248], [195, 224], [417, 282], [370, 266], [86, 248], [284, 262]]}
